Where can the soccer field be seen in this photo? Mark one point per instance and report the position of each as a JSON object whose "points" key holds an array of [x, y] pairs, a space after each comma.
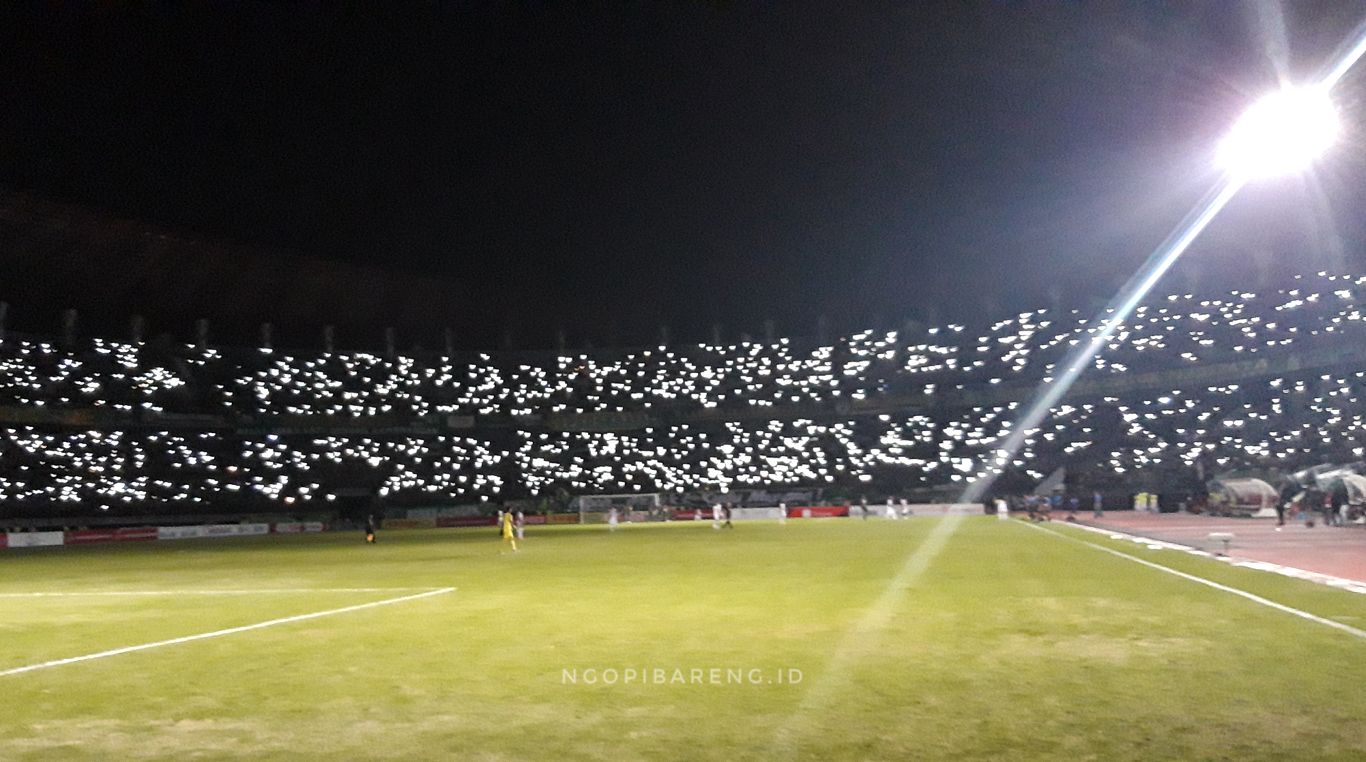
{"points": [[821, 639]]}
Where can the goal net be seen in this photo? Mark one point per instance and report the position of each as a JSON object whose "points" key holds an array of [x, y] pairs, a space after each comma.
{"points": [[638, 506]]}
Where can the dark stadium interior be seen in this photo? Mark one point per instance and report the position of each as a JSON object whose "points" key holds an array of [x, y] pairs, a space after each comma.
{"points": [[682, 379], [269, 258]]}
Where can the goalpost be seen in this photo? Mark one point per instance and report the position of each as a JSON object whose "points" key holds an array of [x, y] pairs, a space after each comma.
{"points": [[637, 506]]}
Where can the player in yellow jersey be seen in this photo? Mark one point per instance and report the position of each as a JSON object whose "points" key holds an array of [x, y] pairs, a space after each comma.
{"points": [[509, 534]]}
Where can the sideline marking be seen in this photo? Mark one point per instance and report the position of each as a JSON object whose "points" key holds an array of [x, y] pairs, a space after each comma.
{"points": [[1342, 583], [1210, 583], [264, 591], [220, 633]]}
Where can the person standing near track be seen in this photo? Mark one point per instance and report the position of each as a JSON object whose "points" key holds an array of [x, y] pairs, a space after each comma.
{"points": [[1097, 505], [371, 527]]}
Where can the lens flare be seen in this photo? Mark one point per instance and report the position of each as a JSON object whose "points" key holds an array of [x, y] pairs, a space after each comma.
{"points": [[1281, 133], [1120, 308]]}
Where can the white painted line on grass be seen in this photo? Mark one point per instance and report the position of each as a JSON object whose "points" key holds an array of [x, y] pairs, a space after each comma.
{"points": [[1341, 583], [221, 633], [1210, 583], [262, 591]]}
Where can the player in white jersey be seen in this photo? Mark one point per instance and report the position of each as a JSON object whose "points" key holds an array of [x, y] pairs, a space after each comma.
{"points": [[716, 516], [1002, 510], [612, 520], [905, 508], [782, 513], [891, 510]]}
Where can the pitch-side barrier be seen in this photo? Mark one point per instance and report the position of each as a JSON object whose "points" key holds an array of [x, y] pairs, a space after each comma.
{"points": [[147, 534]]}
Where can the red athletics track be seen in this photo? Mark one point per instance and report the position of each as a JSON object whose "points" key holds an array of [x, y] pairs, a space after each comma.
{"points": [[1337, 551]]}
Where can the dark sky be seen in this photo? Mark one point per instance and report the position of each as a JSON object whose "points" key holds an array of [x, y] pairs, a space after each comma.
{"points": [[611, 167]]}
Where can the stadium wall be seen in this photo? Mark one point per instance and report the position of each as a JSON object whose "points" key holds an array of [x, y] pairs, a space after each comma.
{"points": [[147, 534]]}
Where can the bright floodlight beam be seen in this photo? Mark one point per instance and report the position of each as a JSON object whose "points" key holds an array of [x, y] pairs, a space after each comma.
{"points": [[1282, 133]]}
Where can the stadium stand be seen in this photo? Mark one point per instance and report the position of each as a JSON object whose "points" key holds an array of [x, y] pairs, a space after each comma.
{"points": [[1190, 387]]}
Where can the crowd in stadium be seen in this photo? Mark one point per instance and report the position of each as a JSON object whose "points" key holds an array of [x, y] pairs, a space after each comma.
{"points": [[161, 425]]}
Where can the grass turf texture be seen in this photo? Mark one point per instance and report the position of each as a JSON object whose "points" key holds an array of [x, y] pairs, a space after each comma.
{"points": [[1011, 644]]}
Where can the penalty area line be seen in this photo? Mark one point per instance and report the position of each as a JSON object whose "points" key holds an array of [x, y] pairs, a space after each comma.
{"points": [[1350, 630], [221, 633]]}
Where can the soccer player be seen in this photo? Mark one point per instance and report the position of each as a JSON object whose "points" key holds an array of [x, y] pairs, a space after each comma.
{"points": [[520, 524], [612, 520], [1002, 510], [371, 526], [716, 516], [782, 513], [509, 535], [726, 513], [891, 509]]}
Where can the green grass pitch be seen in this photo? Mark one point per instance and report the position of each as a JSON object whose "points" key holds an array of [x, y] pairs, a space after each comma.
{"points": [[825, 644]]}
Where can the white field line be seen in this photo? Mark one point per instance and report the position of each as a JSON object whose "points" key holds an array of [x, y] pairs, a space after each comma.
{"points": [[874, 619], [221, 633], [262, 591], [1342, 583], [1210, 583]]}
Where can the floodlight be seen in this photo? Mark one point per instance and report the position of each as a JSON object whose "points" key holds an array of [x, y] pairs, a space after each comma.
{"points": [[1281, 133]]}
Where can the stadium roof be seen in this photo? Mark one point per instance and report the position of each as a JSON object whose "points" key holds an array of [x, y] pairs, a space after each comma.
{"points": [[108, 268]]}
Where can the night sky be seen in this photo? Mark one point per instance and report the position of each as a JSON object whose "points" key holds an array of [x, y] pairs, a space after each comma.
{"points": [[612, 167]]}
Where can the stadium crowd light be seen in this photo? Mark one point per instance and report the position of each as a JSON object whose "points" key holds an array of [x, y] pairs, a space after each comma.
{"points": [[1282, 133], [201, 467]]}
